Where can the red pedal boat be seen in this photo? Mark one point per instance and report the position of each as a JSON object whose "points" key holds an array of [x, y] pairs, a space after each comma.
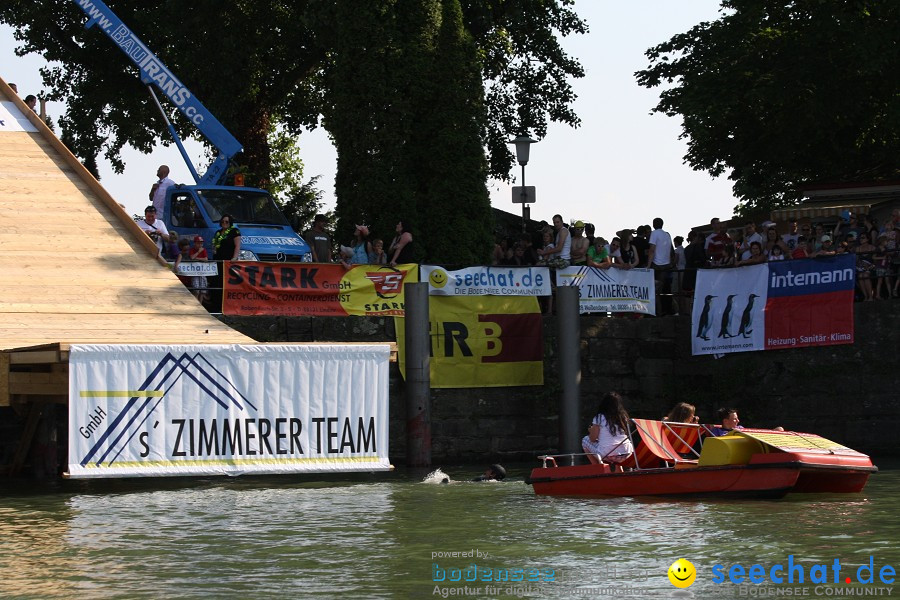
{"points": [[746, 463]]}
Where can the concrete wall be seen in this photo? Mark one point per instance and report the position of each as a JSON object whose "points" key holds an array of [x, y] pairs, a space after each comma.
{"points": [[849, 393]]}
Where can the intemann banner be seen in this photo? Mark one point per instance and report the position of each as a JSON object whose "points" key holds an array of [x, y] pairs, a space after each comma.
{"points": [[611, 290], [482, 341], [315, 289], [487, 281], [784, 304], [227, 409]]}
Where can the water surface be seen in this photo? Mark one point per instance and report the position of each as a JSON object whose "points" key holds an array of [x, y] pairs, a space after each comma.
{"points": [[392, 535]]}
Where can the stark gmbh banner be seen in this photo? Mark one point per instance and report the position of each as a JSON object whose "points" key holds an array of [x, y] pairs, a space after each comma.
{"points": [[315, 289]]}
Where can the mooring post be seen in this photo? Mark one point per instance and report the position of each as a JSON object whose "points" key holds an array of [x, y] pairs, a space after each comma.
{"points": [[418, 376], [569, 336]]}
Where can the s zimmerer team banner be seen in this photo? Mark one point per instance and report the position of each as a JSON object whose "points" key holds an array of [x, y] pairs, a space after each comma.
{"points": [[314, 289], [481, 340], [783, 304], [206, 410], [611, 290]]}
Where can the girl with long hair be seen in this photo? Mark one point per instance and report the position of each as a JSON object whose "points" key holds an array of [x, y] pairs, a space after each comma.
{"points": [[607, 439]]}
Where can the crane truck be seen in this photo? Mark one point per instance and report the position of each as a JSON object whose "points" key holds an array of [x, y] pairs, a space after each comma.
{"points": [[196, 209]]}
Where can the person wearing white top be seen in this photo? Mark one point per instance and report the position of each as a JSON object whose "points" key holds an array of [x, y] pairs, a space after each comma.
{"points": [[660, 260], [563, 240], [607, 439], [158, 192], [154, 228], [750, 236]]}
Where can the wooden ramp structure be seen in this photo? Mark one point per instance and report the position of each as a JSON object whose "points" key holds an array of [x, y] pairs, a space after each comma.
{"points": [[74, 268]]}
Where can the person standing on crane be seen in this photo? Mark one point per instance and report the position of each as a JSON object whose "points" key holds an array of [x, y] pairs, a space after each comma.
{"points": [[158, 191]]}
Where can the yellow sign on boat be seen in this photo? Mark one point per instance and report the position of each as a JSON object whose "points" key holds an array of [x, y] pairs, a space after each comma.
{"points": [[793, 441]]}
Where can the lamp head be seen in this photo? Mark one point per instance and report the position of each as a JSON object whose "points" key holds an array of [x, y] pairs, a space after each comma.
{"points": [[523, 146]]}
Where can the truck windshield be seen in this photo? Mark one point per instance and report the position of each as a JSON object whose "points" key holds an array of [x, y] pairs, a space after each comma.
{"points": [[245, 205]]}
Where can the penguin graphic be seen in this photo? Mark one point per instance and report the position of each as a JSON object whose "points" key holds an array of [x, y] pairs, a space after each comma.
{"points": [[726, 318], [705, 322], [747, 318]]}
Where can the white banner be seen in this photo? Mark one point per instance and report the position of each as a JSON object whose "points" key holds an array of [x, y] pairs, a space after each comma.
{"points": [[200, 268], [487, 281], [729, 310], [12, 119], [611, 290], [206, 410]]}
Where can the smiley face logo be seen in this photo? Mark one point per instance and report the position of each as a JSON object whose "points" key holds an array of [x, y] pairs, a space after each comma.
{"points": [[438, 278], [682, 573]]}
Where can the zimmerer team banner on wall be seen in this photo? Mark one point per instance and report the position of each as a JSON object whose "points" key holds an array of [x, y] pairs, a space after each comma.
{"points": [[611, 290], [315, 289], [784, 304], [207, 410]]}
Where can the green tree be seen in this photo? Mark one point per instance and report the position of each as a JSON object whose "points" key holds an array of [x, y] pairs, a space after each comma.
{"points": [[299, 200], [446, 147], [250, 63], [526, 73], [366, 113], [786, 92], [408, 134]]}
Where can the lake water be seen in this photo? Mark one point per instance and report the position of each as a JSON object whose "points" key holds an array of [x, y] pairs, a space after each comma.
{"points": [[392, 535]]}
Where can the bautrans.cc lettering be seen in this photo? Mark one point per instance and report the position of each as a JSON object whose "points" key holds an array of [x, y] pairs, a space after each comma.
{"points": [[151, 68], [262, 436]]}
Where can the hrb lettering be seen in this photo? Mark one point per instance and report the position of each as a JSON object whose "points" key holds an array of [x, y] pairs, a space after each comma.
{"points": [[453, 334]]}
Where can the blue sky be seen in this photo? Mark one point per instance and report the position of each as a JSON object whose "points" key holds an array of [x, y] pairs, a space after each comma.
{"points": [[622, 167]]}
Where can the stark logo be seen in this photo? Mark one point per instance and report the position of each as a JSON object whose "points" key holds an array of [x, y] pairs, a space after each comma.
{"points": [[388, 284]]}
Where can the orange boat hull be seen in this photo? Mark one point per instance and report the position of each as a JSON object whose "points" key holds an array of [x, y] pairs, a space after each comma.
{"points": [[767, 476], [768, 481]]}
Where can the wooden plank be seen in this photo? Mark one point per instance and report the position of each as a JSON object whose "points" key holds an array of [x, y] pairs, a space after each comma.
{"points": [[4, 378], [76, 268], [28, 384], [37, 357]]}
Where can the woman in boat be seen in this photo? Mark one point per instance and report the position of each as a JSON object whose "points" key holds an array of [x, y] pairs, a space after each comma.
{"points": [[607, 439], [682, 413]]}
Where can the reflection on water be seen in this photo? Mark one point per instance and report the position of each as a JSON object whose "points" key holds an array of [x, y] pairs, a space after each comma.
{"points": [[393, 535]]}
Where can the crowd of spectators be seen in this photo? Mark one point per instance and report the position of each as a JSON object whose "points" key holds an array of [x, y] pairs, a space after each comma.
{"points": [[874, 246], [363, 248]]}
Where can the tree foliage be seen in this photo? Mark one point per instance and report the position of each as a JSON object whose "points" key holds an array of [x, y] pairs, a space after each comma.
{"points": [[408, 134], [420, 96], [254, 76], [786, 92], [527, 74]]}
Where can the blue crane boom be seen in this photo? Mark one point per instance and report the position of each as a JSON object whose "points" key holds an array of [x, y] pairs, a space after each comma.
{"points": [[155, 74]]}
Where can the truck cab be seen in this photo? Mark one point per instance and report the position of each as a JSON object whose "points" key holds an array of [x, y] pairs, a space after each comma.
{"points": [[266, 234]]}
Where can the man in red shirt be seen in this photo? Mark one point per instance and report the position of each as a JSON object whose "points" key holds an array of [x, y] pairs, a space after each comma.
{"points": [[716, 242]]}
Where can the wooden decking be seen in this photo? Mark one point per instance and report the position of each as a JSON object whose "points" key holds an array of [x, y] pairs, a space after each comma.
{"points": [[74, 267]]}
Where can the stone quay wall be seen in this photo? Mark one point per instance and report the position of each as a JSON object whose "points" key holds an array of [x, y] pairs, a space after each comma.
{"points": [[847, 393]]}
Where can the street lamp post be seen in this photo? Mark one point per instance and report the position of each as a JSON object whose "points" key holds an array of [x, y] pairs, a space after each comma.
{"points": [[523, 147]]}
